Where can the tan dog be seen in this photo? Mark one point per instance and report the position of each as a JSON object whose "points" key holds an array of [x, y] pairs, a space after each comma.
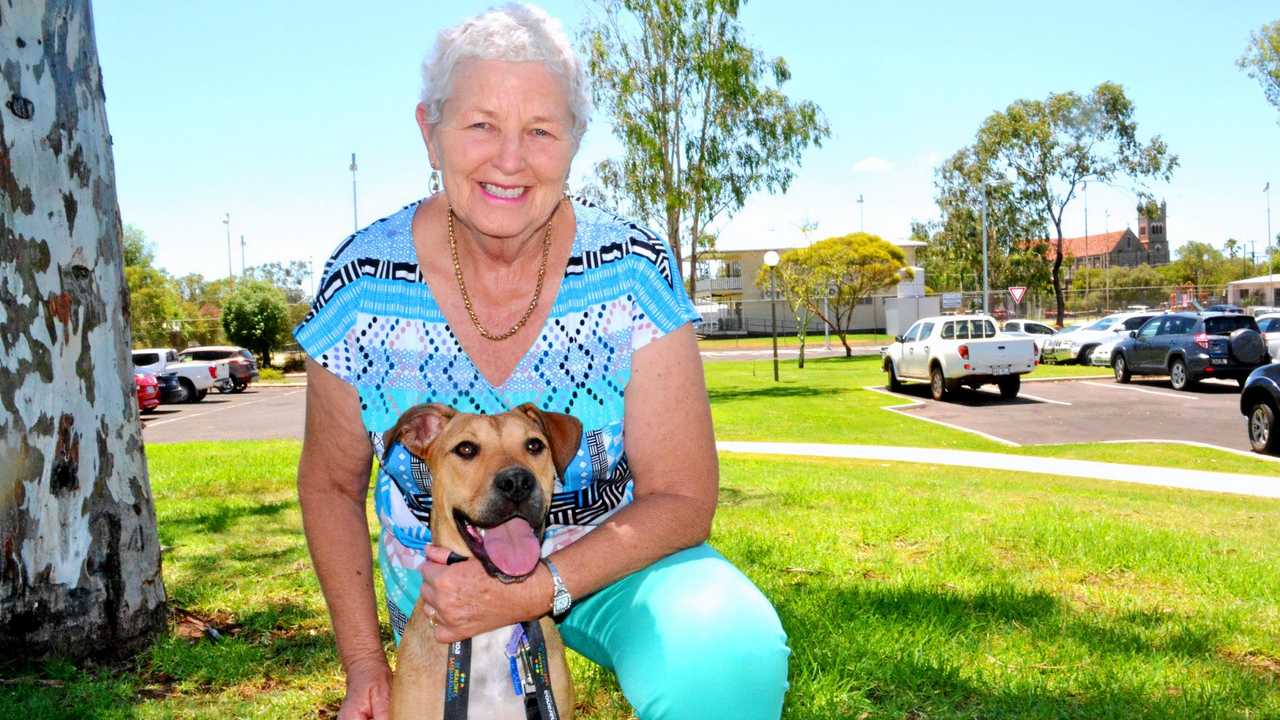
{"points": [[492, 478]]}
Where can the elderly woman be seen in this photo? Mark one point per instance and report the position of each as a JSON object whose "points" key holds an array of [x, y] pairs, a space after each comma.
{"points": [[498, 290]]}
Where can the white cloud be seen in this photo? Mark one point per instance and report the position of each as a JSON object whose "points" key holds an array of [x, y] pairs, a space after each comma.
{"points": [[872, 164]]}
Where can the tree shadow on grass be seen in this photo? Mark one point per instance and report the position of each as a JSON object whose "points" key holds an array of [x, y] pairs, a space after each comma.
{"points": [[767, 393], [219, 516], [900, 651]]}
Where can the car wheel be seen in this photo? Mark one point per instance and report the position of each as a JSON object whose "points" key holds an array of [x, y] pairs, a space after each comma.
{"points": [[238, 386], [1010, 386], [1121, 369], [937, 384], [1179, 376], [894, 383], [1085, 352], [201, 395], [1263, 437], [188, 391]]}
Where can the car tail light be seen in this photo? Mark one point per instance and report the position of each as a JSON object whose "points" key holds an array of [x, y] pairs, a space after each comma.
{"points": [[964, 351], [213, 372], [1202, 340]]}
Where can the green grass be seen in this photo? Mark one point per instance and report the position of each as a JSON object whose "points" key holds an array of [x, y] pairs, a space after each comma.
{"points": [[827, 402], [907, 591], [812, 342]]}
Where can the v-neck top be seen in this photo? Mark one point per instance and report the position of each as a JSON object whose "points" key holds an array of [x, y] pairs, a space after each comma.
{"points": [[376, 325]]}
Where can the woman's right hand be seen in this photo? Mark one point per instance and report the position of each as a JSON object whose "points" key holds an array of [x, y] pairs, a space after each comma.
{"points": [[368, 691]]}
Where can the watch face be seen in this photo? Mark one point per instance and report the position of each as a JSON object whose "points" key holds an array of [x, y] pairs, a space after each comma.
{"points": [[560, 604]]}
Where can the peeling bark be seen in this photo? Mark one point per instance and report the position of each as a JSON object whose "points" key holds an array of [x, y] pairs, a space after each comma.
{"points": [[79, 555]]}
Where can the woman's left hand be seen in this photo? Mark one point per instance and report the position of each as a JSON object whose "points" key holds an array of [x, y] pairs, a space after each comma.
{"points": [[465, 601]]}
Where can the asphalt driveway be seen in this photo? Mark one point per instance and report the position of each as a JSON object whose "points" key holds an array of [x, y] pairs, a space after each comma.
{"points": [[1091, 410], [262, 412]]}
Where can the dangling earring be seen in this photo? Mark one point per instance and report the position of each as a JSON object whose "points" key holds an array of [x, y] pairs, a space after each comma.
{"points": [[435, 182], [566, 187]]}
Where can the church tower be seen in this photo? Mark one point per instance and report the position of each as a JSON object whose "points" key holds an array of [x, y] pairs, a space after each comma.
{"points": [[1151, 232]]}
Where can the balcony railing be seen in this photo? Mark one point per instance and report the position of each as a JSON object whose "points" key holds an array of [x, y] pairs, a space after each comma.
{"points": [[720, 283]]}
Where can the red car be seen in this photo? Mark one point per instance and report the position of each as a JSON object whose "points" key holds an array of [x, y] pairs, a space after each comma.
{"points": [[148, 392]]}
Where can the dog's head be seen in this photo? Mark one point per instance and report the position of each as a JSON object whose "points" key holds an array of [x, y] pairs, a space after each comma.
{"points": [[492, 478]]}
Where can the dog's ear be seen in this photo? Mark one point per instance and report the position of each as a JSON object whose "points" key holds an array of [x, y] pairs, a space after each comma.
{"points": [[417, 427], [564, 433]]}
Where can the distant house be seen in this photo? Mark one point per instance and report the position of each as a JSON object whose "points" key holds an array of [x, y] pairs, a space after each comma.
{"points": [[730, 302], [1122, 248], [1261, 290]]}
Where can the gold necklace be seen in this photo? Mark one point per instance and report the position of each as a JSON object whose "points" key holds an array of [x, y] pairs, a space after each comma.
{"points": [[466, 299]]}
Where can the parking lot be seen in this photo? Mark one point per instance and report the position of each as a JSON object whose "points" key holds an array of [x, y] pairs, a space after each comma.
{"points": [[1058, 411], [1092, 410], [261, 412]]}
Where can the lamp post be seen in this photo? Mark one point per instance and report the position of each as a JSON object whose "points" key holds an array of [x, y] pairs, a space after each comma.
{"points": [[355, 220], [226, 220], [986, 291], [1270, 239], [862, 226], [771, 259]]}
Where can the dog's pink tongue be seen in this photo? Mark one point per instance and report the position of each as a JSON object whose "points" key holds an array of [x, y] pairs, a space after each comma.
{"points": [[512, 547]]}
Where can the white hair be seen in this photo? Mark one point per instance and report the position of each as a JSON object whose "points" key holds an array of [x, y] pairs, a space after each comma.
{"points": [[515, 32]]}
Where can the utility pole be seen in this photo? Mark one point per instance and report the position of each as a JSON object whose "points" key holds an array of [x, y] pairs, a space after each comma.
{"points": [[986, 291], [862, 225], [1270, 238], [355, 219], [242, 256], [226, 220], [1088, 263], [1106, 264]]}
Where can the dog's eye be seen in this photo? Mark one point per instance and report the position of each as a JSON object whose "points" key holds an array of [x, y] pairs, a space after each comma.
{"points": [[466, 450], [534, 446]]}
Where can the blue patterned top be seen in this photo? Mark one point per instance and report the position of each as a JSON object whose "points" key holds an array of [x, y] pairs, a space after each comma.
{"points": [[376, 325]]}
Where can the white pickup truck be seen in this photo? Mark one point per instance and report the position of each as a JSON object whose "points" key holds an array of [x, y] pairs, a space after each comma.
{"points": [[954, 350], [194, 377]]}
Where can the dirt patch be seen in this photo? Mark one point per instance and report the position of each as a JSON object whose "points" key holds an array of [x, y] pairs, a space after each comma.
{"points": [[1262, 663]]}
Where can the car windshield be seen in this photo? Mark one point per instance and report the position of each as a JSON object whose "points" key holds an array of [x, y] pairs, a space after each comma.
{"points": [[146, 358], [204, 355], [1227, 324], [1102, 324]]}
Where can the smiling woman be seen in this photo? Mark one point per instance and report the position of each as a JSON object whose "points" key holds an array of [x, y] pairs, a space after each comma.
{"points": [[493, 292]]}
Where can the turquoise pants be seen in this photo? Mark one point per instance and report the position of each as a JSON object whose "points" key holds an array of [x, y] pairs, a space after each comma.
{"points": [[689, 637]]}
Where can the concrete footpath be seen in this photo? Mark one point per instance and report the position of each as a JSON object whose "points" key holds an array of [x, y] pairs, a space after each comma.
{"points": [[1256, 485]]}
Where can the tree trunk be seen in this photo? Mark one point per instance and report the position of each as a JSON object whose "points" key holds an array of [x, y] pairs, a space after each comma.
{"points": [[79, 556], [1057, 279]]}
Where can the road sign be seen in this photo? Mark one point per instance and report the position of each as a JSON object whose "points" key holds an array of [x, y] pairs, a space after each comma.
{"points": [[1017, 293], [952, 300]]}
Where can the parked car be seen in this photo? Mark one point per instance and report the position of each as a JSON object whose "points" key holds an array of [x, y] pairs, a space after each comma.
{"points": [[951, 351], [1189, 347], [1082, 342], [1037, 331], [171, 390], [1269, 326], [194, 377], [1225, 308], [244, 369], [1260, 405], [1062, 336], [1259, 310], [148, 391]]}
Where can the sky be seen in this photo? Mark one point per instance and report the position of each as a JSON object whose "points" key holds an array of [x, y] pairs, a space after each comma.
{"points": [[253, 109]]}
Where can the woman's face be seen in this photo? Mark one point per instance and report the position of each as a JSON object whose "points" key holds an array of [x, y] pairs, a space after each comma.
{"points": [[503, 144]]}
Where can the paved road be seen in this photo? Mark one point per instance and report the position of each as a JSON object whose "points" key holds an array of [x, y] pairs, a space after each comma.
{"points": [[1094, 410], [262, 412]]}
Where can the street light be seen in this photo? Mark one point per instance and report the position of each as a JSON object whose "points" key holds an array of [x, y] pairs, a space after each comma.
{"points": [[355, 219], [771, 259], [227, 221]]}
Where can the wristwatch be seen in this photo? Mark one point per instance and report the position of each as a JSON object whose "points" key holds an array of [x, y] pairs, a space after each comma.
{"points": [[561, 600]]}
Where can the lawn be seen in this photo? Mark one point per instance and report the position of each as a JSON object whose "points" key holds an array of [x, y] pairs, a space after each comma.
{"points": [[827, 402], [907, 591], [814, 341]]}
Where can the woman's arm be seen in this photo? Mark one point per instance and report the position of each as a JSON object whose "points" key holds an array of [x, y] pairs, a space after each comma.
{"points": [[671, 449], [333, 481]]}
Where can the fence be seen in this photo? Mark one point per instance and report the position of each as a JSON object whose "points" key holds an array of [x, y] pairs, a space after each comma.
{"points": [[875, 314]]}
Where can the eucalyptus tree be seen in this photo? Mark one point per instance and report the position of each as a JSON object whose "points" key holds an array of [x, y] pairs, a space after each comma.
{"points": [[701, 114], [1047, 149], [1261, 60], [79, 555]]}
